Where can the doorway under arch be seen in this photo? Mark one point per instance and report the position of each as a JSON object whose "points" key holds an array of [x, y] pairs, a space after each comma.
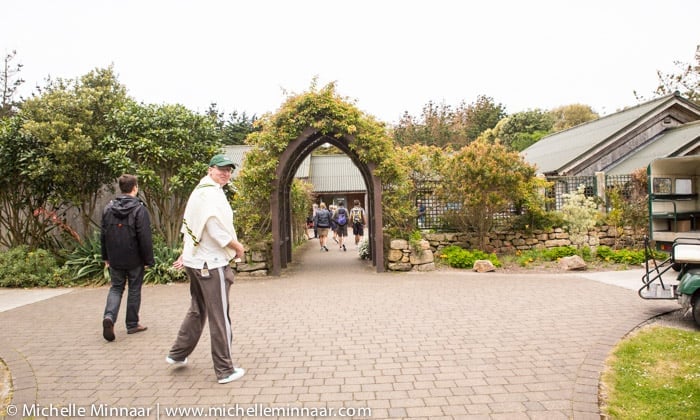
{"points": [[280, 208]]}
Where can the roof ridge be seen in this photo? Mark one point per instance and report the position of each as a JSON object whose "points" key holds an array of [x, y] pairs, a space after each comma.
{"points": [[660, 99]]}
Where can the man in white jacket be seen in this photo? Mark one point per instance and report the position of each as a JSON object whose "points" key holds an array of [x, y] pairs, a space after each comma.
{"points": [[210, 243]]}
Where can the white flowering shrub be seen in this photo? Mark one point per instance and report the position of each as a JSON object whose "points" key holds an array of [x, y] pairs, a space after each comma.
{"points": [[580, 214]]}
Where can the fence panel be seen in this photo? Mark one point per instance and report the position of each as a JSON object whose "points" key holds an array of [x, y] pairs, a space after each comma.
{"points": [[435, 209], [566, 185], [622, 182]]}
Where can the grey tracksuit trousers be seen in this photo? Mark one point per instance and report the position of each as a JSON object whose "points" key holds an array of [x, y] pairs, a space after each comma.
{"points": [[209, 299]]}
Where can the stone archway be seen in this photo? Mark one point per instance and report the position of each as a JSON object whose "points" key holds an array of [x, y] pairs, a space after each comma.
{"points": [[289, 161]]}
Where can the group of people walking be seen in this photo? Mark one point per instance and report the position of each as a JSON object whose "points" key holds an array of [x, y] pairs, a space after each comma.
{"points": [[336, 220]]}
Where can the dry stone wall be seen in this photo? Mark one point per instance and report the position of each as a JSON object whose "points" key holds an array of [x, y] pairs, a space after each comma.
{"points": [[404, 256], [420, 256]]}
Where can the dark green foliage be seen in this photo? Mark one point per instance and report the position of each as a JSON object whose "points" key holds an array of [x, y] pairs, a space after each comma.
{"points": [[85, 263], [458, 257], [626, 256], [520, 130], [163, 272], [168, 148], [23, 267], [535, 219], [553, 254], [237, 128]]}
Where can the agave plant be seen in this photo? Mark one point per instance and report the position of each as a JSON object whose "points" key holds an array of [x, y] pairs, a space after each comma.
{"points": [[85, 263], [163, 272]]}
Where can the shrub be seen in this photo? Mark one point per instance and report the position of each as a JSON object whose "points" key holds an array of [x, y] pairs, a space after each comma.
{"points": [[530, 221], [163, 272], [23, 267], [626, 256], [580, 213], [363, 249], [461, 258], [85, 263], [553, 254], [414, 241]]}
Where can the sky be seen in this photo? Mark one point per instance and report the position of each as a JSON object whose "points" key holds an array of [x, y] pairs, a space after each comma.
{"points": [[387, 57]]}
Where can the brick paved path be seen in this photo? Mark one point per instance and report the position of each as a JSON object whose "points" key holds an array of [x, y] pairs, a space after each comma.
{"points": [[332, 333]]}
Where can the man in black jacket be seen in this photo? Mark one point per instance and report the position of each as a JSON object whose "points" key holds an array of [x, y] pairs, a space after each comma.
{"points": [[127, 249]]}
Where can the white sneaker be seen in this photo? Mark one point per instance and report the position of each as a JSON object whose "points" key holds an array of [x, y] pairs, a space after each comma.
{"points": [[237, 374], [172, 361]]}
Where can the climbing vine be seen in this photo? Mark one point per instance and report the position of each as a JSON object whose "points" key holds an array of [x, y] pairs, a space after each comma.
{"points": [[328, 113]]}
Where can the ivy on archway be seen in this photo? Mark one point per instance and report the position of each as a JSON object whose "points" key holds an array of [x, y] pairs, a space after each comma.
{"points": [[331, 115]]}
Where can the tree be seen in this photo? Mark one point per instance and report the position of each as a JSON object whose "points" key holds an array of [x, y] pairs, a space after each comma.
{"points": [[520, 130], [433, 128], [480, 181], [69, 122], [568, 116], [686, 81], [21, 195], [442, 126], [235, 128], [9, 82], [475, 118], [168, 147]]}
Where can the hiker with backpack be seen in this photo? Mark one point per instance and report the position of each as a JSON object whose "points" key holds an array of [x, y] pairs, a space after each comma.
{"points": [[127, 249], [341, 219], [359, 220], [322, 223]]}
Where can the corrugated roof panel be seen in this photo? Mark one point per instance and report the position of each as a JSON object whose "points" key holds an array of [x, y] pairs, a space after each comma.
{"points": [[327, 173], [304, 169], [335, 173], [236, 153]]}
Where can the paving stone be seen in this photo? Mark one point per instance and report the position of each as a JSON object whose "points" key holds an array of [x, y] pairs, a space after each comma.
{"points": [[331, 332]]}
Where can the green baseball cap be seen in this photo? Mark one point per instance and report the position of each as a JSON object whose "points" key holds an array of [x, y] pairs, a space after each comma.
{"points": [[221, 160]]}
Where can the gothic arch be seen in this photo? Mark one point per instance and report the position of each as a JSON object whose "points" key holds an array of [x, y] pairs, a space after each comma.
{"points": [[280, 208]]}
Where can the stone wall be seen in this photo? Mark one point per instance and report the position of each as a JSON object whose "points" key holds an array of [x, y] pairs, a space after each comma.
{"points": [[420, 256], [258, 258], [403, 255]]}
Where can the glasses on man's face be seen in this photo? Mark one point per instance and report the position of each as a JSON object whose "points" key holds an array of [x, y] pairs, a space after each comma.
{"points": [[227, 169]]}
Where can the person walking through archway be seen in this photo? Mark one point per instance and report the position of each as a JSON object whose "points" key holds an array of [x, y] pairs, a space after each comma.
{"points": [[359, 220], [341, 217], [322, 222]]}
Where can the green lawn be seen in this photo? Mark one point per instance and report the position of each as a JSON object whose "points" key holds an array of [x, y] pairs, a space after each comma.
{"points": [[654, 374]]}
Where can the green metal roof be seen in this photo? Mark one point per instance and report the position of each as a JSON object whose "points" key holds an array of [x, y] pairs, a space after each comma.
{"points": [[553, 153]]}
